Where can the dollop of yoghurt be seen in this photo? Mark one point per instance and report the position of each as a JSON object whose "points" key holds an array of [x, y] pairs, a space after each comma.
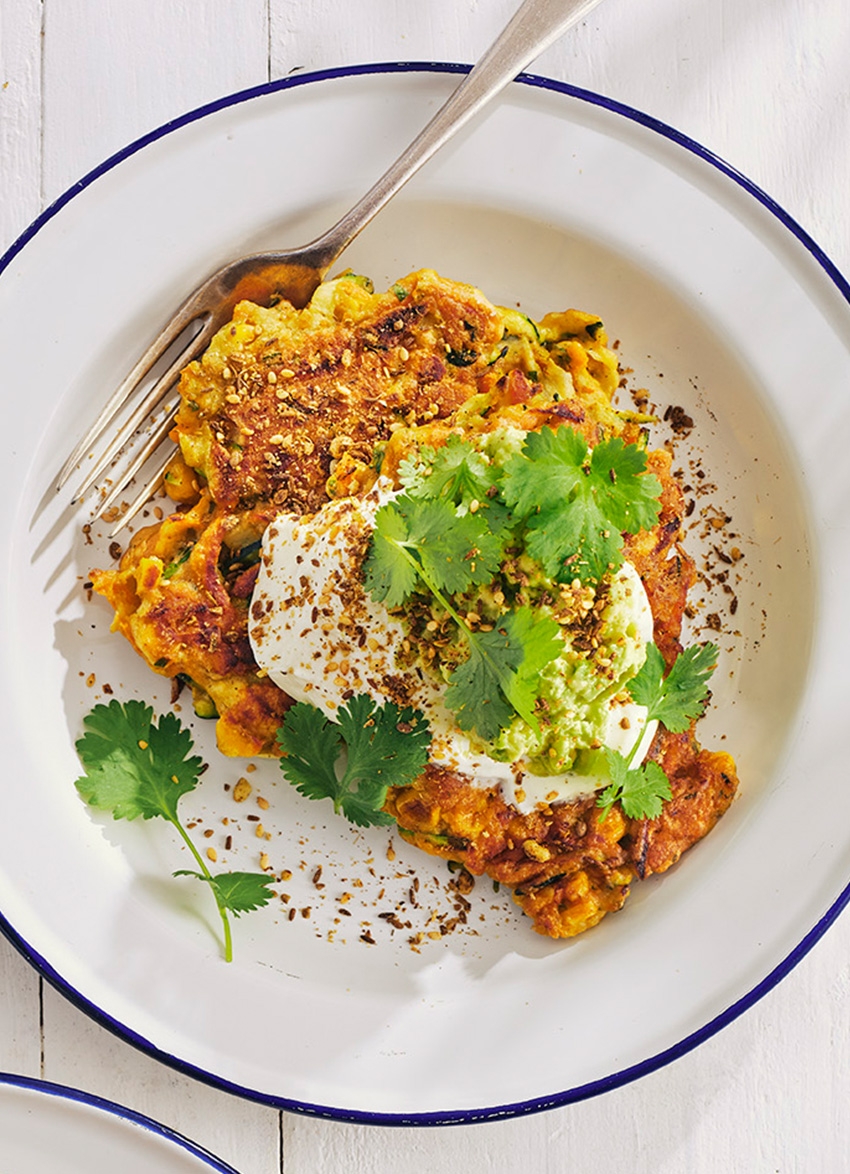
{"points": [[322, 639]]}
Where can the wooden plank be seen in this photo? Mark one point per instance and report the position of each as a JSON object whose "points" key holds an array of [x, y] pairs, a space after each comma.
{"points": [[20, 202], [325, 33], [20, 1032], [114, 71], [20, 116]]}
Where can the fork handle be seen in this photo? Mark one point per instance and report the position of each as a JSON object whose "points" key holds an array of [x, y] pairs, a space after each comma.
{"points": [[534, 27]]}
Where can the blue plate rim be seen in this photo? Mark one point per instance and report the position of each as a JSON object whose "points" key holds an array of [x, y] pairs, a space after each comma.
{"points": [[91, 1100], [567, 1096]]}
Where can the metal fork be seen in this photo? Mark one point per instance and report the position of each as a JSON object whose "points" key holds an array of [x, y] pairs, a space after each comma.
{"points": [[295, 274]]}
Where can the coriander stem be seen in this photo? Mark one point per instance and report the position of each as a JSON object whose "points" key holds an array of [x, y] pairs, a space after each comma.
{"points": [[634, 748], [467, 634], [628, 760], [228, 941], [438, 595]]}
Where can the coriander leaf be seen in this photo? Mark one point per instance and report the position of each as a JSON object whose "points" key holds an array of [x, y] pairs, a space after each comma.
{"points": [[475, 693], [501, 674], [384, 739], [311, 744], [575, 541], [456, 554], [363, 807], [641, 790], [457, 471], [391, 574], [133, 766], [576, 502], [428, 540], [239, 892], [628, 495], [547, 472], [680, 697], [385, 746], [645, 791]]}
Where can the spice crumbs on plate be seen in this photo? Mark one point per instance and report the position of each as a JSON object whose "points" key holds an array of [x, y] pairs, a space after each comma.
{"points": [[242, 790]]}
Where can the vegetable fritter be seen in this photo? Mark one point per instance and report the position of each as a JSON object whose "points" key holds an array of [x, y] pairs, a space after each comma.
{"points": [[288, 409]]}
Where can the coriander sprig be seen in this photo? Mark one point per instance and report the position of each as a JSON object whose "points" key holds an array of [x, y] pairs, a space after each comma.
{"points": [[577, 502], [137, 767], [676, 700], [456, 472], [430, 543], [500, 675], [428, 540], [355, 760]]}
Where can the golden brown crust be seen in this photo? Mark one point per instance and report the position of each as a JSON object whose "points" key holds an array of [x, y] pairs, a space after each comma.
{"points": [[566, 869], [703, 784], [191, 622], [261, 408], [666, 571]]}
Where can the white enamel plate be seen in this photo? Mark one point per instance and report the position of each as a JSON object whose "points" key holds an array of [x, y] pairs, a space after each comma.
{"points": [[45, 1127], [722, 307]]}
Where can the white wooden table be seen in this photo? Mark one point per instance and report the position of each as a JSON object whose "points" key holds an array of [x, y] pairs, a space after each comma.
{"points": [[763, 83]]}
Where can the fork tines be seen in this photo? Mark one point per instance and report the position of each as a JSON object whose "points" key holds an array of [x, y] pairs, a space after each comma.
{"points": [[103, 454]]}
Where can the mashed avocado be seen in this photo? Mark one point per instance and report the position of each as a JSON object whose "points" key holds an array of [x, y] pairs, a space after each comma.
{"points": [[576, 689]]}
